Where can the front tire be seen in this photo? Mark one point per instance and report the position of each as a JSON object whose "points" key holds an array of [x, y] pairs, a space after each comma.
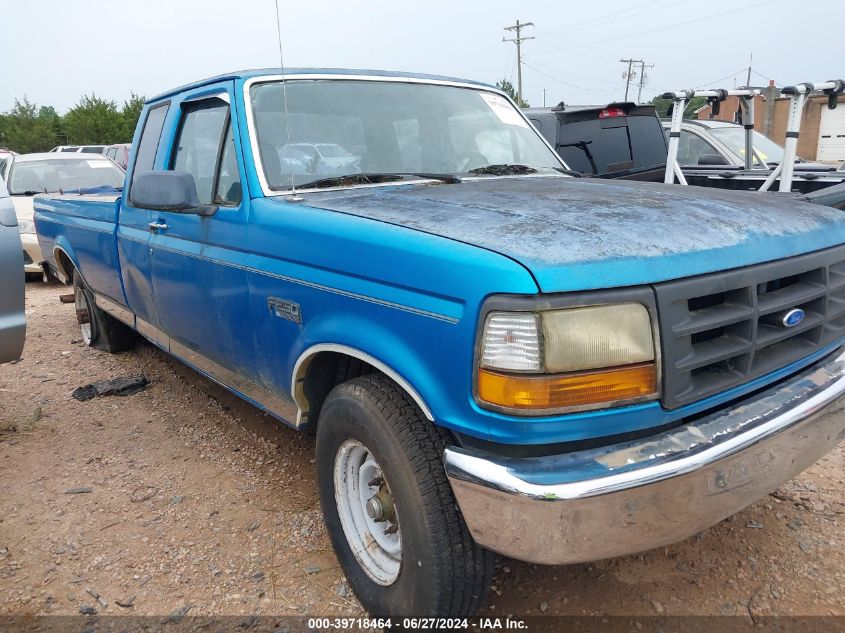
{"points": [[389, 508], [98, 329]]}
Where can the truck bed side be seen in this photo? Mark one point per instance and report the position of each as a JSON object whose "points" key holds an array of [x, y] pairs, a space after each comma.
{"points": [[80, 230]]}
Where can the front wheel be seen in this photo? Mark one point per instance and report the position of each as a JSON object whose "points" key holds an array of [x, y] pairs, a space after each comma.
{"points": [[389, 509]]}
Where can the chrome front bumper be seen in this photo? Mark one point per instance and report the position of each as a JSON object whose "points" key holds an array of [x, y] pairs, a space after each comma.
{"points": [[638, 495]]}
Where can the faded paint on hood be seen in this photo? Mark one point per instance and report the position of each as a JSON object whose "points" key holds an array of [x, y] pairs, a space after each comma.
{"points": [[580, 234]]}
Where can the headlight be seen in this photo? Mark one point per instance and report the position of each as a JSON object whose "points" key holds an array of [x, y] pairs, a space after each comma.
{"points": [[26, 226], [574, 358]]}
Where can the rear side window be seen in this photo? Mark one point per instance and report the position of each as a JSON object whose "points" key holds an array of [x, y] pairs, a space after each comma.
{"points": [[647, 141], [205, 149], [595, 146], [691, 147], [150, 136]]}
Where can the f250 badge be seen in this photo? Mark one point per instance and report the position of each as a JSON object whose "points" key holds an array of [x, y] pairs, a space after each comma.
{"points": [[288, 310]]}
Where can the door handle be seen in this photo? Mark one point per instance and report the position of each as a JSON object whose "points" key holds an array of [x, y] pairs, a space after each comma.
{"points": [[157, 226]]}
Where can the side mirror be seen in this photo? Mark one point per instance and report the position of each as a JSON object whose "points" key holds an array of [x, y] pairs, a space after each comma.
{"points": [[712, 159], [173, 191]]}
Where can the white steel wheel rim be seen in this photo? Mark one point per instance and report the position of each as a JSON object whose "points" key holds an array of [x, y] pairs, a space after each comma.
{"points": [[379, 554], [81, 303]]}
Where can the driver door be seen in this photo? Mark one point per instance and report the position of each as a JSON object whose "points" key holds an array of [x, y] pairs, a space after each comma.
{"points": [[199, 274]]}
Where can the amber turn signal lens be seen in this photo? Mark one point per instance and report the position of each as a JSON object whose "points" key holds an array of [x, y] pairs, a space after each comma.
{"points": [[573, 389]]}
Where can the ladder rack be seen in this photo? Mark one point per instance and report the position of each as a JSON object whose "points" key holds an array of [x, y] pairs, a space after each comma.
{"points": [[797, 99]]}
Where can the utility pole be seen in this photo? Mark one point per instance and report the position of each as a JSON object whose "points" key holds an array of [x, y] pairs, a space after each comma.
{"points": [[750, 59], [627, 75], [518, 40], [643, 78], [544, 97]]}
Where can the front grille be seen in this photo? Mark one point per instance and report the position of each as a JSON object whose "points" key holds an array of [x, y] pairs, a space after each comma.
{"points": [[27, 260], [719, 331]]}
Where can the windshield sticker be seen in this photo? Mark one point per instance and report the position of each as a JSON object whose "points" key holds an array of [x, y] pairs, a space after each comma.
{"points": [[503, 109], [98, 164]]}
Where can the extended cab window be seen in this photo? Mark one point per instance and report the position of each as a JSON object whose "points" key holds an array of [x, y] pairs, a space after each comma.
{"points": [[205, 149], [150, 136]]}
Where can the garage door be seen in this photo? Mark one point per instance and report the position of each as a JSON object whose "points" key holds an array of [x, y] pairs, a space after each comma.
{"points": [[832, 134]]}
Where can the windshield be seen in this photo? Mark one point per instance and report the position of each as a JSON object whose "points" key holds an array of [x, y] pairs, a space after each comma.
{"points": [[53, 175], [342, 127], [734, 139]]}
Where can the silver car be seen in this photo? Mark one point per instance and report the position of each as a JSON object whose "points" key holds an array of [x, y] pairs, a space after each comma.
{"points": [[12, 321], [30, 174]]}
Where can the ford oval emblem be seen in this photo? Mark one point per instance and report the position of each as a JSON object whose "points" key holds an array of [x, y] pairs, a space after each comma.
{"points": [[793, 317]]}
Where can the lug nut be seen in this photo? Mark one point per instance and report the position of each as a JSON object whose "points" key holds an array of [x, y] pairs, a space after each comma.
{"points": [[374, 509]]}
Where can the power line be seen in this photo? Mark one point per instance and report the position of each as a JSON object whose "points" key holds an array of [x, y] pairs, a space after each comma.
{"points": [[518, 40], [762, 76], [569, 74], [710, 83], [661, 28], [610, 18], [670, 77], [508, 65], [596, 19], [598, 57], [566, 83]]}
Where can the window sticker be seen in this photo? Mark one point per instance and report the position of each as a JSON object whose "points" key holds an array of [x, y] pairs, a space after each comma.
{"points": [[98, 164], [502, 108]]}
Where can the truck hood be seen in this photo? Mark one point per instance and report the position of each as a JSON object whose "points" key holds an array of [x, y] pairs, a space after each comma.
{"points": [[580, 234]]}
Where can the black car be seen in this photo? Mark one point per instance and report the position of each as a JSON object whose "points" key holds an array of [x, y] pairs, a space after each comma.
{"points": [[617, 140]]}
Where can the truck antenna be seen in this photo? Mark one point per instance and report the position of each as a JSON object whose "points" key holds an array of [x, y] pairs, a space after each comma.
{"points": [[294, 197]]}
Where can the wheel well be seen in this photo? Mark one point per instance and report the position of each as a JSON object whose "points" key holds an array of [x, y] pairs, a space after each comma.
{"points": [[64, 265], [323, 372]]}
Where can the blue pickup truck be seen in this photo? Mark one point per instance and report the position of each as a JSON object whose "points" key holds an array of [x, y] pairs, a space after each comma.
{"points": [[494, 356]]}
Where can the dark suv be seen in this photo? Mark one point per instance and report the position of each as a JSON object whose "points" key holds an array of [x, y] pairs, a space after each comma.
{"points": [[618, 140]]}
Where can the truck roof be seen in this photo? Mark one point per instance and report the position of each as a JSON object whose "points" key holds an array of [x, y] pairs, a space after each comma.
{"points": [[257, 72]]}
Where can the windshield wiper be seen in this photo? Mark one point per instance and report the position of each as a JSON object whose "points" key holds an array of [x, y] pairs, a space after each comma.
{"points": [[503, 170], [371, 178], [516, 169], [569, 172]]}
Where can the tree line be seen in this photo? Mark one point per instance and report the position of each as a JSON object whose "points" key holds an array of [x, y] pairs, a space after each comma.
{"points": [[29, 127]]}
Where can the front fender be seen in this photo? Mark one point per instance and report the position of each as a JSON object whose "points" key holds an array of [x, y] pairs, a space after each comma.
{"points": [[376, 342]]}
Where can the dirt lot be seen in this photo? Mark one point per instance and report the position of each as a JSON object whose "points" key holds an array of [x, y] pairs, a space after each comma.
{"points": [[183, 496]]}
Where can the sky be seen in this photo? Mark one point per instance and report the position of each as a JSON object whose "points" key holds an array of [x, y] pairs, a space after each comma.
{"points": [[57, 50]]}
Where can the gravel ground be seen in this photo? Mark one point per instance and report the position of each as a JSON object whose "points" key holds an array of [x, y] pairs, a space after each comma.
{"points": [[182, 497]]}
